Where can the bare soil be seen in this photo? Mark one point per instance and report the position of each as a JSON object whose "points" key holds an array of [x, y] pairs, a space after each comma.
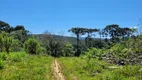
{"points": [[57, 71]]}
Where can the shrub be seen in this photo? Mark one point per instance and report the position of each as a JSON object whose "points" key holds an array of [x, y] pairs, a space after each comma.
{"points": [[126, 73], [5, 42], [94, 53], [32, 46], [42, 50], [130, 70], [1, 43], [68, 50], [129, 51], [3, 56], [94, 68], [16, 45], [1, 64], [17, 57], [115, 76]]}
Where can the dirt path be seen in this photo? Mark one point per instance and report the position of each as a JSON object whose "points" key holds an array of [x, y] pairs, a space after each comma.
{"points": [[57, 72]]}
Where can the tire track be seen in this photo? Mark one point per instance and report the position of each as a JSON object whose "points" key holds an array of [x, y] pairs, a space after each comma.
{"points": [[57, 72]]}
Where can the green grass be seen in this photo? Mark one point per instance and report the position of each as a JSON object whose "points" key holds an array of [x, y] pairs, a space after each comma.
{"points": [[81, 69], [21, 66]]}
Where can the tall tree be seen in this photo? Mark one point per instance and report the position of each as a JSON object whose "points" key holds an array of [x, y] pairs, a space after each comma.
{"points": [[20, 33], [78, 32], [53, 45], [112, 31], [19, 27], [100, 34], [125, 32], [4, 26], [88, 39]]}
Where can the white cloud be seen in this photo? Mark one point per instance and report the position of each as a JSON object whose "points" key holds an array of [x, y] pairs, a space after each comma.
{"points": [[135, 27]]}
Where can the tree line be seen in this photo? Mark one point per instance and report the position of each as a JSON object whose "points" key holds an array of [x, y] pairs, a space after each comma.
{"points": [[14, 39], [114, 32], [19, 39]]}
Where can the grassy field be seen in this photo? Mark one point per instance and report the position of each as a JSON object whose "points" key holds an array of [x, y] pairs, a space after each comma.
{"points": [[81, 69], [21, 66]]}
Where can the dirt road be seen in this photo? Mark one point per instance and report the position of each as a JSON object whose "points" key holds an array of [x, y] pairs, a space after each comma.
{"points": [[57, 72]]}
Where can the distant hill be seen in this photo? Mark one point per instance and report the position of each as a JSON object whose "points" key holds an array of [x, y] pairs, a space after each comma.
{"points": [[71, 40]]}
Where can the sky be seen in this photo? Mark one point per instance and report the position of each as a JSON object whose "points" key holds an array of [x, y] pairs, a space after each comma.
{"points": [[57, 16]]}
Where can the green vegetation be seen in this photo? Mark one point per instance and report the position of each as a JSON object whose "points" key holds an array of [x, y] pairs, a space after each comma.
{"points": [[116, 55], [68, 50], [80, 69], [20, 65], [32, 46], [6, 41], [1, 64]]}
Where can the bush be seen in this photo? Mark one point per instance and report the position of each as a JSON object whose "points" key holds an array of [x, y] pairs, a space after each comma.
{"points": [[127, 52], [42, 51], [94, 68], [131, 71], [1, 43], [3, 56], [16, 45], [114, 76], [94, 53], [5, 42], [32, 46], [126, 73], [1, 64], [17, 57], [68, 50]]}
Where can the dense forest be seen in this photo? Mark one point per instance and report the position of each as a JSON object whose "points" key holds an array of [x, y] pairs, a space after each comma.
{"points": [[115, 54]]}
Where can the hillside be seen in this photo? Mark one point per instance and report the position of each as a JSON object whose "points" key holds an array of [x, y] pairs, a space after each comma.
{"points": [[71, 40]]}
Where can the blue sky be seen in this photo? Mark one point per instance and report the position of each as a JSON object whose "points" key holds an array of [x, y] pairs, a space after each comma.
{"points": [[61, 15]]}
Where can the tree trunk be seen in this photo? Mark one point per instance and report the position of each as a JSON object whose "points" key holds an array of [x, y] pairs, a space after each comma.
{"points": [[77, 52]]}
